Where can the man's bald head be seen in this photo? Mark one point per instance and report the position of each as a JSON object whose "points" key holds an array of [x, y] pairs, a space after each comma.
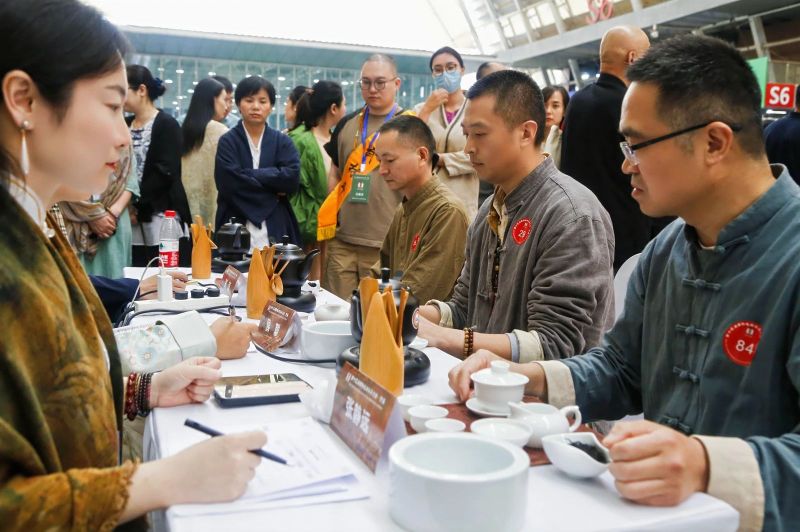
{"points": [[620, 47]]}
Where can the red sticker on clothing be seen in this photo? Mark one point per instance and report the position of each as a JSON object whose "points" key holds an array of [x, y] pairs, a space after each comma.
{"points": [[415, 242], [522, 230], [740, 341]]}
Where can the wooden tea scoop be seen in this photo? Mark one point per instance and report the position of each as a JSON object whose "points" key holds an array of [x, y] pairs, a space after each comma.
{"points": [[285, 264], [211, 232], [277, 282], [400, 314], [268, 254]]}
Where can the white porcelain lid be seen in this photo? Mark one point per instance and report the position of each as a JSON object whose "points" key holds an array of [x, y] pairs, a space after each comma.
{"points": [[499, 375]]}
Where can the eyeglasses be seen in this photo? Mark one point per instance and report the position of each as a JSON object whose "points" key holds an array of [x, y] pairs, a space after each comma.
{"points": [[379, 84], [449, 67], [630, 150]]}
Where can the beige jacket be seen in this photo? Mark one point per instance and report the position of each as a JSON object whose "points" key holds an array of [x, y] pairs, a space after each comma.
{"points": [[552, 145], [457, 173], [197, 174]]}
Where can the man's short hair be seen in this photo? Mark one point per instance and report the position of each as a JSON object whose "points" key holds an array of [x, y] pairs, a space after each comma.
{"points": [[382, 58], [414, 132], [517, 98], [700, 79], [253, 85], [225, 82]]}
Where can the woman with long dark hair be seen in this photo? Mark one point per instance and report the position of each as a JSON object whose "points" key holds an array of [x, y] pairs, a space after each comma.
{"points": [[62, 395], [556, 100], [156, 140], [201, 132], [290, 107], [318, 111]]}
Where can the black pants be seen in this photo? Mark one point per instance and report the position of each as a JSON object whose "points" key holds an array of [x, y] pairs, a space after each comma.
{"points": [[144, 254]]}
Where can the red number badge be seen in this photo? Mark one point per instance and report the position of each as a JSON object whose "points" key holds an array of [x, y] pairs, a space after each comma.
{"points": [[415, 242], [521, 231], [741, 341]]}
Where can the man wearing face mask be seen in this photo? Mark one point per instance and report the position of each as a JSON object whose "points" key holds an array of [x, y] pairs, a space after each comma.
{"points": [[443, 112]]}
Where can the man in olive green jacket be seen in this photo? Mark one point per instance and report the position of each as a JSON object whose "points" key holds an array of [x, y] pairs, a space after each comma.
{"points": [[426, 239]]}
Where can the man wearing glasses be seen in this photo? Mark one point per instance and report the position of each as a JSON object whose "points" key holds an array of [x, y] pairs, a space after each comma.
{"points": [[708, 343], [357, 213]]}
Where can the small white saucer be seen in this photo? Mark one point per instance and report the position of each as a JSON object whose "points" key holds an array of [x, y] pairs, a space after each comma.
{"points": [[475, 406]]}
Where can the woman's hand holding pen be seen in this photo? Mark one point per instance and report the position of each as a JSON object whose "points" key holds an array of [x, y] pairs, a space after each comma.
{"points": [[216, 470]]}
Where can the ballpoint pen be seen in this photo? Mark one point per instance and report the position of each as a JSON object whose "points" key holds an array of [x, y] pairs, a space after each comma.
{"points": [[211, 432]]}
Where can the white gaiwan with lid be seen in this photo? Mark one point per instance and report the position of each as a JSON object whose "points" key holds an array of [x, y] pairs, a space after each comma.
{"points": [[496, 386]]}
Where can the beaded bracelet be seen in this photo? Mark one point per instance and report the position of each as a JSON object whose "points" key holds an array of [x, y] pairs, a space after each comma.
{"points": [[139, 391], [468, 341], [137, 395], [143, 404], [130, 397]]}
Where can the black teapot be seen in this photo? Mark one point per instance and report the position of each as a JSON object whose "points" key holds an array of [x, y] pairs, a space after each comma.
{"points": [[410, 321], [296, 272], [233, 245]]}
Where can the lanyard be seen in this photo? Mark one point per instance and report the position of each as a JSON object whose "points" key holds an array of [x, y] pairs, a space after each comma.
{"points": [[364, 124]]}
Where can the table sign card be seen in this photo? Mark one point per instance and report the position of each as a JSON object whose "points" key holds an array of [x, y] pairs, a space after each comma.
{"points": [[365, 417], [230, 280], [279, 327]]}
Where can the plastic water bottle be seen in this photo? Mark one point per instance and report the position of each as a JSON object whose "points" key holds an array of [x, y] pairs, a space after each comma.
{"points": [[168, 240]]}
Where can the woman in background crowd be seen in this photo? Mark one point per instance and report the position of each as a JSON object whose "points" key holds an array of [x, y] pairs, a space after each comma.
{"points": [[318, 111], [257, 168], [156, 138], [202, 129], [556, 99], [290, 107], [99, 229], [443, 112]]}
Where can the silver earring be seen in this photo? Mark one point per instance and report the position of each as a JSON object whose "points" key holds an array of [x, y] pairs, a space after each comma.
{"points": [[24, 162]]}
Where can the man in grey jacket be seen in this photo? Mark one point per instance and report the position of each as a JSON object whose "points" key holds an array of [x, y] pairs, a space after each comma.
{"points": [[708, 343], [537, 280]]}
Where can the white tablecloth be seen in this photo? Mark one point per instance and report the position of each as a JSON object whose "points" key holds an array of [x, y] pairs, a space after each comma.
{"points": [[556, 502]]}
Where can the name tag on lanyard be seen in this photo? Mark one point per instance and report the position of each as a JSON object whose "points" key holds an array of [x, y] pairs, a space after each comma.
{"points": [[359, 192]]}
